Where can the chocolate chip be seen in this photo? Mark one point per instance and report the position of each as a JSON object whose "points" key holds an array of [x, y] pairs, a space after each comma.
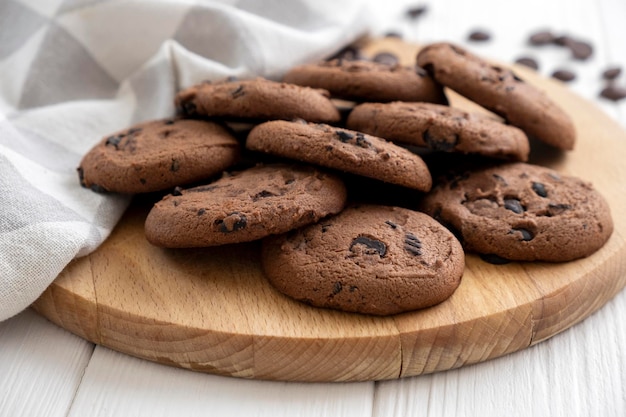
{"points": [[114, 141], [98, 189], [169, 122], [611, 73], [539, 189], [232, 222], [373, 246], [81, 175], [479, 36], [494, 259], [325, 228], [262, 194], [201, 212], [416, 11], [391, 224], [337, 287], [344, 136], [143, 181], [543, 37], [386, 58], [362, 141], [421, 71], [528, 62], [178, 191], [514, 205], [238, 92], [349, 53], [134, 130], [439, 144], [526, 234], [175, 165], [613, 92], [556, 209], [393, 34], [189, 108], [412, 244], [563, 75]]}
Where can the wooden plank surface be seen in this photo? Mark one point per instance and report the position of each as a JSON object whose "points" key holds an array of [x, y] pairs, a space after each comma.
{"points": [[212, 310]]}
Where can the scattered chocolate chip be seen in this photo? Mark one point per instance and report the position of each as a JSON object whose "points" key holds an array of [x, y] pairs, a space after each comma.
{"points": [[373, 246], [188, 107], [539, 189], [337, 287], [170, 122], [233, 222], [393, 34], [201, 212], [349, 53], [479, 35], [421, 71], [500, 179], [564, 75], [175, 165], [362, 141], [98, 189], [514, 205], [143, 181], [562, 40], [81, 175], [556, 209], [416, 11], [134, 130], [542, 37], [238, 92], [439, 144], [494, 259], [178, 191], [386, 58], [580, 50], [526, 234], [613, 93], [412, 244], [528, 62], [611, 73]]}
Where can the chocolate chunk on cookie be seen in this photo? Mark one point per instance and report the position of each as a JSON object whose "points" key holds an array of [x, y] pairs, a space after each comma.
{"points": [[368, 259], [501, 91], [158, 155], [368, 81], [244, 206], [257, 99], [440, 128], [341, 149], [522, 212]]}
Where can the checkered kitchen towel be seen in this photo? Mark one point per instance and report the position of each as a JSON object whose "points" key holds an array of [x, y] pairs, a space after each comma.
{"points": [[72, 71]]}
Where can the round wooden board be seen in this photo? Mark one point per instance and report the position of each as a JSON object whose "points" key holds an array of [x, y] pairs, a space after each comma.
{"points": [[211, 310]]}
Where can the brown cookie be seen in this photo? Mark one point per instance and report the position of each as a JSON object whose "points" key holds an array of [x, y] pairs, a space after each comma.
{"points": [[500, 91], [244, 206], [522, 212], [440, 128], [158, 155], [368, 81], [368, 259], [257, 99], [341, 149]]}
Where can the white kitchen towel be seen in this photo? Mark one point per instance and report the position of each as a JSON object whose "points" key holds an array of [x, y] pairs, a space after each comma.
{"points": [[72, 71]]}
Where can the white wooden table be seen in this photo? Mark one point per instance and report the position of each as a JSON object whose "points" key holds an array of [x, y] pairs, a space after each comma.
{"points": [[46, 371]]}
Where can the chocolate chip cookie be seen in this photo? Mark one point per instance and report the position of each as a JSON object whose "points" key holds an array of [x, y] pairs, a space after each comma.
{"points": [[341, 149], [257, 99], [158, 155], [440, 128], [368, 81], [522, 212], [368, 259], [501, 91], [244, 206]]}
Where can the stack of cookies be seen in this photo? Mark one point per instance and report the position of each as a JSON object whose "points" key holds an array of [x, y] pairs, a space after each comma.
{"points": [[294, 177]]}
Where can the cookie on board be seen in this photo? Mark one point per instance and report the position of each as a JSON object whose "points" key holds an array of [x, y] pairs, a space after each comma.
{"points": [[440, 128], [522, 212], [341, 149], [501, 91], [256, 99], [368, 259], [368, 81], [158, 155], [245, 206]]}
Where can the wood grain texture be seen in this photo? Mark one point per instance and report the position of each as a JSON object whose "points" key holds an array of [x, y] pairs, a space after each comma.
{"points": [[211, 310]]}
